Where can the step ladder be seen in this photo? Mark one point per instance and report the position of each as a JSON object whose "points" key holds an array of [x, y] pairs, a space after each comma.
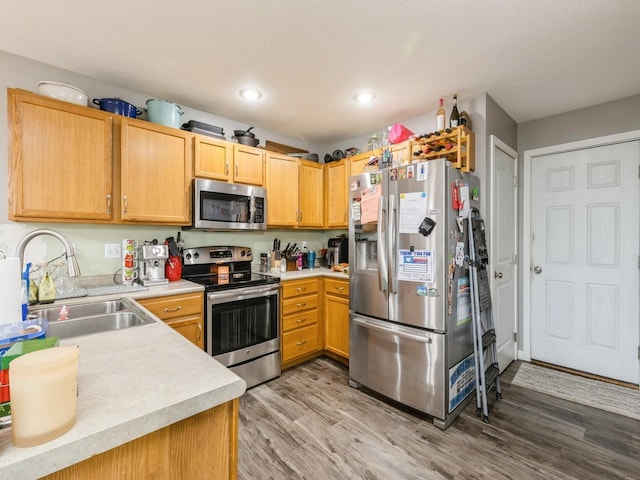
{"points": [[484, 334]]}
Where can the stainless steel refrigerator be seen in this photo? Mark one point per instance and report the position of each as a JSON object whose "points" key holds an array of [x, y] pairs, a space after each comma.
{"points": [[410, 323]]}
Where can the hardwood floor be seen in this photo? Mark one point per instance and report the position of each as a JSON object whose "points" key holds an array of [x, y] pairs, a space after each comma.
{"points": [[309, 424]]}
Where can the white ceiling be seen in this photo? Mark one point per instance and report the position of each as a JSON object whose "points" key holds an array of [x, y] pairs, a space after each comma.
{"points": [[535, 58]]}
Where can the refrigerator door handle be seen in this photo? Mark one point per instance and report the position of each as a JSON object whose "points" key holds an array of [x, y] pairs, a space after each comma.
{"points": [[383, 276], [393, 288], [374, 325]]}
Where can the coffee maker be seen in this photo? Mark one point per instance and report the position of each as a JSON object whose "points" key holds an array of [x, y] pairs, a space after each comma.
{"points": [[152, 260], [338, 250]]}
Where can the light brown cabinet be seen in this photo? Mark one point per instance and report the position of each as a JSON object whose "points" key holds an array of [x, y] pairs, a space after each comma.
{"points": [[294, 192], [182, 312], [301, 334], [336, 317], [170, 453], [226, 161], [60, 160], [155, 173], [336, 177], [70, 163]]}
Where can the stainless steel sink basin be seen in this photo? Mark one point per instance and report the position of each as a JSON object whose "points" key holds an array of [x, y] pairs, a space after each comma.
{"points": [[97, 324], [80, 310], [93, 317]]}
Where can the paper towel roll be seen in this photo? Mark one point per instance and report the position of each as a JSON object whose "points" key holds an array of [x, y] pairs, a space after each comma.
{"points": [[10, 294]]}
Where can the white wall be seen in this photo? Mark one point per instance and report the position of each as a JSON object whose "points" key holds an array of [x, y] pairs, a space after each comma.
{"points": [[19, 72]]}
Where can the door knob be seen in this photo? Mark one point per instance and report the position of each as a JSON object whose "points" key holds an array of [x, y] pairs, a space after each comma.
{"points": [[537, 269], [497, 274]]}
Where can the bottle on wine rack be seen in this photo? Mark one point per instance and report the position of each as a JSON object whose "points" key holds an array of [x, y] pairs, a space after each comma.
{"points": [[454, 118], [440, 116]]}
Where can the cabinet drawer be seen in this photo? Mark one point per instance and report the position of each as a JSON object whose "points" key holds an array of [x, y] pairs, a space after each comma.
{"points": [[336, 287], [296, 320], [299, 287], [173, 306], [299, 304], [299, 342]]}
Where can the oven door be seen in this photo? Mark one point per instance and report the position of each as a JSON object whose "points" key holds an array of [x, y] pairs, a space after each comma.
{"points": [[242, 324]]}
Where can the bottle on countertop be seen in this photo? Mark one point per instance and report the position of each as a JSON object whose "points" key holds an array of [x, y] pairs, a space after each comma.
{"points": [[440, 116], [454, 118]]}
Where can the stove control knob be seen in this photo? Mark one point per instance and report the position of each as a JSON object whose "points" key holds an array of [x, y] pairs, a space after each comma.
{"points": [[242, 253], [188, 256], [196, 256]]}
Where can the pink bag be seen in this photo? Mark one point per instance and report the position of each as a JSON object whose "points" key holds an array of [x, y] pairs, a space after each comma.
{"points": [[399, 133]]}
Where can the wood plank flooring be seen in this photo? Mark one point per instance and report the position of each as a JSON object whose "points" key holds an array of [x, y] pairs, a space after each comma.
{"points": [[309, 424]]}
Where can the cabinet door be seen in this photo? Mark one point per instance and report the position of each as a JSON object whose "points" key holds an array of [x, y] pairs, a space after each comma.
{"points": [[311, 194], [212, 158], [156, 173], [60, 160], [336, 316], [358, 162], [336, 178], [248, 165], [401, 153], [282, 191], [190, 328]]}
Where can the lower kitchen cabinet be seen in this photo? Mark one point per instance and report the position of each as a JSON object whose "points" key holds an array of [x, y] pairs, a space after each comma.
{"points": [[301, 334], [181, 312], [336, 317], [170, 453]]}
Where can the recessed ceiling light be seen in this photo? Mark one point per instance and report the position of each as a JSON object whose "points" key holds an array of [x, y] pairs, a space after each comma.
{"points": [[250, 93], [364, 97]]}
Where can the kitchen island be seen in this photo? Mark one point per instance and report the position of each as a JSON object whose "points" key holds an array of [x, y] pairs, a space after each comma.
{"points": [[150, 405]]}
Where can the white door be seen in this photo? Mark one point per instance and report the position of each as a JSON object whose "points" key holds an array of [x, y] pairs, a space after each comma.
{"points": [[503, 237], [584, 260]]}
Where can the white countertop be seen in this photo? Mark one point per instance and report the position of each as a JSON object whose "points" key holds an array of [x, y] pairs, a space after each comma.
{"points": [[310, 272], [131, 382]]}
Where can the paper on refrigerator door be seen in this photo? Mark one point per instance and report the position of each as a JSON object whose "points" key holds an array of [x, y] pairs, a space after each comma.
{"points": [[369, 202], [415, 266], [413, 209]]}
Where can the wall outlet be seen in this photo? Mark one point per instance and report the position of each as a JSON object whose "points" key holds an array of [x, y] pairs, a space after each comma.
{"points": [[112, 250]]}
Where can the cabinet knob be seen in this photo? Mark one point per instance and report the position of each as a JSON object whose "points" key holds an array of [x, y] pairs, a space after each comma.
{"points": [[236, 169], [300, 305], [226, 168], [301, 320], [108, 203], [339, 288], [199, 337], [301, 343], [125, 203], [301, 289]]}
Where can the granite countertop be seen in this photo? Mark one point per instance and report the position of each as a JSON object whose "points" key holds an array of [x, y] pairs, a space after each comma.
{"points": [[131, 382]]}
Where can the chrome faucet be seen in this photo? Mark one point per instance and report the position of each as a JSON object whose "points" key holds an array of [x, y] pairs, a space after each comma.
{"points": [[70, 253]]}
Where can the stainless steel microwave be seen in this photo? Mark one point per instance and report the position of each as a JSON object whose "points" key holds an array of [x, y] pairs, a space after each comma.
{"points": [[228, 206]]}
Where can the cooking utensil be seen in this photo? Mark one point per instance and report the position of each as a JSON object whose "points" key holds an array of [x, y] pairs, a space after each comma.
{"points": [[63, 91], [164, 112], [244, 140], [117, 106], [245, 133]]}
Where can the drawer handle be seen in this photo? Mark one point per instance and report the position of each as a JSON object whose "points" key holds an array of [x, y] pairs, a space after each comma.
{"points": [[300, 320], [301, 343], [301, 304], [339, 288], [199, 333], [168, 310], [301, 289]]}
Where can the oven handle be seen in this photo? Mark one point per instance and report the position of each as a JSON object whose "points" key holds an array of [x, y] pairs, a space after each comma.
{"points": [[242, 294]]}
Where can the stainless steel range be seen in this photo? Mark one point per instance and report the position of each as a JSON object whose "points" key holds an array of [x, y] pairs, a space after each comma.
{"points": [[242, 311]]}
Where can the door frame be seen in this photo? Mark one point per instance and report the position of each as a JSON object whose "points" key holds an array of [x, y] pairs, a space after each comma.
{"points": [[529, 156], [496, 144]]}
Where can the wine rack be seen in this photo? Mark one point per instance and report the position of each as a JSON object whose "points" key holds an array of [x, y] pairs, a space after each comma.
{"points": [[456, 144]]}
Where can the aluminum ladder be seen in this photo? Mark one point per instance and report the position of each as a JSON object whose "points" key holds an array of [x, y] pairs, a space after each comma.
{"points": [[484, 334]]}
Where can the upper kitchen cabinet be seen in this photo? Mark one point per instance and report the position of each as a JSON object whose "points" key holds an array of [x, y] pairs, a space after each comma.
{"points": [[155, 173], [294, 192], [401, 153], [336, 176], [60, 160], [227, 162]]}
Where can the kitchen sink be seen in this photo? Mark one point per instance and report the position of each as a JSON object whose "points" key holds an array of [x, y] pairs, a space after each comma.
{"points": [[94, 317], [80, 310]]}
